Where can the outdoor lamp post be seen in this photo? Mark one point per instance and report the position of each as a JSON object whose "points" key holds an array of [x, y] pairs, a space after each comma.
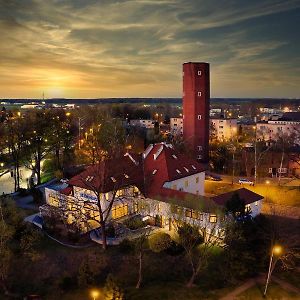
{"points": [[276, 250]]}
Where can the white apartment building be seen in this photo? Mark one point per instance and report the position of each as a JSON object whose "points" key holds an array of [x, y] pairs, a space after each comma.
{"points": [[143, 123], [272, 130], [224, 129]]}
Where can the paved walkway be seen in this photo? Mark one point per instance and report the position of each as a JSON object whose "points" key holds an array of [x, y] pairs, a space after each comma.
{"points": [[260, 280]]}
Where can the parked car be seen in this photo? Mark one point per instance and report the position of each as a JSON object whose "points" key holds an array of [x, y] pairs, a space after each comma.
{"points": [[213, 177], [245, 181], [64, 180]]}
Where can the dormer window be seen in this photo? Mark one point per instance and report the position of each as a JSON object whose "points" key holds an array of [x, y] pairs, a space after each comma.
{"points": [[154, 172], [126, 176], [194, 167], [174, 156], [186, 169], [89, 178], [178, 171], [113, 179]]}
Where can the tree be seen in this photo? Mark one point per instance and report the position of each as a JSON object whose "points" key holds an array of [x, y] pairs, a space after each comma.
{"points": [[15, 131], [140, 246], [112, 291], [38, 146], [6, 235], [236, 206]]}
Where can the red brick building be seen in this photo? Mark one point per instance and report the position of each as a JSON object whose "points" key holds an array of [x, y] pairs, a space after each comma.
{"points": [[196, 95]]}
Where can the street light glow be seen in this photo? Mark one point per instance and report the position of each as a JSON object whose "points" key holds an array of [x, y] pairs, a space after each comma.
{"points": [[277, 250], [95, 294]]}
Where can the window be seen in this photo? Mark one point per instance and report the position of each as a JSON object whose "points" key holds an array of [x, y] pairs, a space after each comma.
{"points": [[199, 156], [199, 73], [174, 187], [194, 167], [119, 211], [213, 218], [186, 183], [256, 203], [186, 169], [174, 156], [188, 213], [199, 94], [126, 176], [154, 172], [199, 148], [135, 207], [178, 171], [199, 117], [89, 178], [113, 179], [197, 179]]}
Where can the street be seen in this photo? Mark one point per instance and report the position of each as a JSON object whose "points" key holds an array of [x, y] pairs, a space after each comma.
{"points": [[7, 182]]}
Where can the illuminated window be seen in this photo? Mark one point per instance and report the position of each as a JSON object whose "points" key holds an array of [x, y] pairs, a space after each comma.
{"points": [[186, 183], [135, 207], [199, 73], [154, 172], [113, 179], [194, 167], [174, 187], [199, 117], [186, 169], [256, 203], [188, 213], [199, 94], [119, 211], [199, 148], [178, 171], [199, 156], [174, 156], [126, 176], [197, 179], [213, 218]]}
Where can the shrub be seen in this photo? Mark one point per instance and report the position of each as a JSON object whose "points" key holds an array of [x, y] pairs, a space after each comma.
{"points": [[134, 223], [174, 249], [37, 196], [159, 242]]}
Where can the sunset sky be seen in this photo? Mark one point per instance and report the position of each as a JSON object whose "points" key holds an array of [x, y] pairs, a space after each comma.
{"points": [[94, 49]]}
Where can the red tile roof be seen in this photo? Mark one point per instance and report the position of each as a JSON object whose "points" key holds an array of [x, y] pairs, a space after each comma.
{"points": [[170, 166], [109, 175], [244, 194]]}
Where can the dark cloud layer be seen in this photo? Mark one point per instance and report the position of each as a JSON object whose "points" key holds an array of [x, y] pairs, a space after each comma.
{"points": [[136, 47]]}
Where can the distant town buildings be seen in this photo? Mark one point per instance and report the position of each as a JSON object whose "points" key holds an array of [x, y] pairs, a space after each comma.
{"points": [[287, 125], [224, 128], [142, 123]]}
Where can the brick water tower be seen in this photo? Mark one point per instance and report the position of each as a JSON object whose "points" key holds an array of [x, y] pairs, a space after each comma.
{"points": [[196, 95]]}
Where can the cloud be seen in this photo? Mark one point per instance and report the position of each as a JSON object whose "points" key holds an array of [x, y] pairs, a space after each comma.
{"points": [[135, 48]]}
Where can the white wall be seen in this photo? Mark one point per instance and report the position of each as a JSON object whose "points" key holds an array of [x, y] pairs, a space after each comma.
{"points": [[176, 126], [226, 129], [193, 187]]}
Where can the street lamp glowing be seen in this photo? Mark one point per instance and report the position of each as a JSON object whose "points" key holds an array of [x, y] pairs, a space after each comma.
{"points": [[68, 114], [277, 250], [95, 294], [267, 182], [19, 114]]}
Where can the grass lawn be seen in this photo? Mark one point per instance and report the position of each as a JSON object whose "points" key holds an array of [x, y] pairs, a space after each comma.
{"points": [[284, 195], [274, 292]]}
